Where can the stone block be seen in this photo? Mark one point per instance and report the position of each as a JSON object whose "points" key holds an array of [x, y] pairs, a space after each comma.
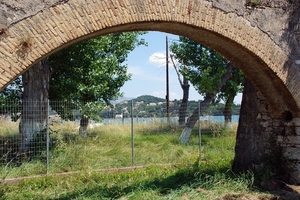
{"points": [[277, 123], [297, 130], [288, 140], [292, 153], [296, 121]]}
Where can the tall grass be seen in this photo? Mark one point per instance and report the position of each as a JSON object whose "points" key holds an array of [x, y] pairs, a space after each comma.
{"points": [[109, 146], [206, 181]]}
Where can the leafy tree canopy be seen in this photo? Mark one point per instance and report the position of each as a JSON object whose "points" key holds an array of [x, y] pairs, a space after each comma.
{"points": [[93, 70], [204, 67]]}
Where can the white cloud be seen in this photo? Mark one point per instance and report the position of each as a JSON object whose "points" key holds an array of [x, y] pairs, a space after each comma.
{"points": [[158, 59]]}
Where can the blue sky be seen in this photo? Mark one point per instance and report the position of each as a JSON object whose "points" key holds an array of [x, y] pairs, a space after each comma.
{"points": [[147, 66]]}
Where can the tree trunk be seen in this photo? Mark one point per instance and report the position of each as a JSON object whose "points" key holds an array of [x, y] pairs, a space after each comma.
{"points": [[184, 103], [186, 133], [250, 141], [227, 109], [34, 104], [84, 122]]}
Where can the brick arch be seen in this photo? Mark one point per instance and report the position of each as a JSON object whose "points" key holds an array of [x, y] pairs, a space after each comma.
{"points": [[263, 62]]}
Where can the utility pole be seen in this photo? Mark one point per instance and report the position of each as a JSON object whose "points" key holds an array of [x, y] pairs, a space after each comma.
{"points": [[167, 80]]}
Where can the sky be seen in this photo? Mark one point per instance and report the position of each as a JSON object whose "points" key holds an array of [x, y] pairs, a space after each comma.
{"points": [[147, 64]]}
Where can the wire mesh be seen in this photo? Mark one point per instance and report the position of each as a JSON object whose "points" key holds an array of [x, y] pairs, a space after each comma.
{"points": [[55, 136]]}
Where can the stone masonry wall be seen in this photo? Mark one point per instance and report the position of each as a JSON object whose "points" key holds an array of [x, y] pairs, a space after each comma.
{"points": [[289, 140], [284, 134]]}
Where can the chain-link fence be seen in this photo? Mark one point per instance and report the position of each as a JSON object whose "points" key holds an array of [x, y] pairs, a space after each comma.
{"points": [[63, 136]]}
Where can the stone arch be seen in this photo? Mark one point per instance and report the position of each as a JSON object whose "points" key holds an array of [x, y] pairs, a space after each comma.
{"points": [[267, 66]]}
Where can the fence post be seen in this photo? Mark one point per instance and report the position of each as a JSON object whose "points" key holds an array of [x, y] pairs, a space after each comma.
{"points": [[48, 138], [132, 135], [199, 130]]}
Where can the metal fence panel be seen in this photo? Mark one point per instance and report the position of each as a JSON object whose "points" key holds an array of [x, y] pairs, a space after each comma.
{"points": [[32, 143]]}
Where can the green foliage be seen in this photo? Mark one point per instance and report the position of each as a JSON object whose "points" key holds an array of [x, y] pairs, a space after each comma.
{"points": [[254, 2], [92, 70], [204, 67], [10, 99], [91, 109]]}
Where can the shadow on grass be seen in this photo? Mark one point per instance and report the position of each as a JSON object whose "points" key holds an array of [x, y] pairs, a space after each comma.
{"points": [[161, 186], [203, 181]]}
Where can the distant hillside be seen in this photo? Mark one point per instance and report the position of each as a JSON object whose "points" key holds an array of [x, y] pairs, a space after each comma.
{"points": [[149, 99], [145, 109]]}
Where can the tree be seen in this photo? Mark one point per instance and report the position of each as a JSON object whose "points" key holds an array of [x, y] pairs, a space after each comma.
{"points": [[91, 73], [208, 99], [88, 71], [232, 86], [208, 72], [34, 111], [184, 83]]}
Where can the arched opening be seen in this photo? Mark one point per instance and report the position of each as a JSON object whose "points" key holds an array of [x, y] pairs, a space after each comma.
{"points": [[254, 53], [67, 88]]}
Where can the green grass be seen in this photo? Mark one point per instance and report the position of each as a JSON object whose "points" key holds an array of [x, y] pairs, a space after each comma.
{"points": [[207, 181], [110, 147]]}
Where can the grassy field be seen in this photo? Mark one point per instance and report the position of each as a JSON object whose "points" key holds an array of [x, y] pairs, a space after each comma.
{"points": [[183, 176]]}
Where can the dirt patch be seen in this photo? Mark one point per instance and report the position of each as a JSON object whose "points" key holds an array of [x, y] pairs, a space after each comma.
{"points": [[288, 192]]}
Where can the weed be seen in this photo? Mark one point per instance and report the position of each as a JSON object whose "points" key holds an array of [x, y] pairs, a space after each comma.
{"points": [[26, 43], [4, 32], [24, 47], [253, 3]]}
